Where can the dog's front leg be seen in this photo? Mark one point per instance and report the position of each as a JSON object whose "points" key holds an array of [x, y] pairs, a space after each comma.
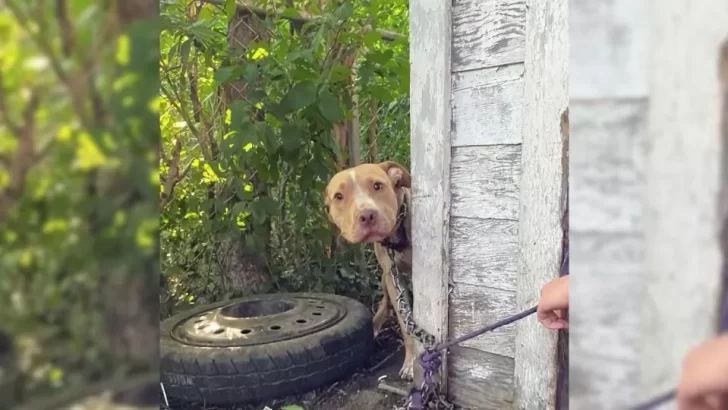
{"points": [[383, 310], [407, 370]]}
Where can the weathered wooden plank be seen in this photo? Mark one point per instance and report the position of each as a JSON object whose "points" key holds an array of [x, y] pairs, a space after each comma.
{"points": [[472, 307], [484, 252], [618, 258], [607, 174], [543, 196], [487, 33], [484, 181], [683, 179], [480, 380], [488, 106], [602, 385], [430, 113], [609, 49]]}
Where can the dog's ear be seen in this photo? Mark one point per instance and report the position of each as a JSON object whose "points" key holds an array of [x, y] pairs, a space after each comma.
{"points": [[397, 173]]}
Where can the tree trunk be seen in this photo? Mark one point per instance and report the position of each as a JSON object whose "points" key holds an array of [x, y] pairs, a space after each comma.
{"points": [[244, 271]]}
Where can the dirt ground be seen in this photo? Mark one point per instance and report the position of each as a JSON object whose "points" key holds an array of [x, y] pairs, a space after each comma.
{"points": [[358, 392]]}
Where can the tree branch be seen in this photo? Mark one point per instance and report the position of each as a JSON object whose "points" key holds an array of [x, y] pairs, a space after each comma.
{"points": [[68, 34], [23, 160], [174, 176], [244, 6]]}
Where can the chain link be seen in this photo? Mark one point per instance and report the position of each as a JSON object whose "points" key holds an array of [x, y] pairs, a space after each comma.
{"points": [[404, 306]]}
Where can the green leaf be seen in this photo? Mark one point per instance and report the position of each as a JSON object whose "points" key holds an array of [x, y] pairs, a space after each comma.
{"points": [[345, 11], [230, 8], [292, 407], [340, 73], [380, 57], [292, 13], [329, 106], [225, 74], [372, 38], [291, 136], [300, 96]]}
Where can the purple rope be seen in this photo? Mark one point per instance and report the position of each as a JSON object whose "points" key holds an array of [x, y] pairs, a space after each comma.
{"points": [[430, 360], [723, 327], [656, 401]]}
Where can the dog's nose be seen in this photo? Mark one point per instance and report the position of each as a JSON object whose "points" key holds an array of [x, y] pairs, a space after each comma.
{"points": [[367, 217]]}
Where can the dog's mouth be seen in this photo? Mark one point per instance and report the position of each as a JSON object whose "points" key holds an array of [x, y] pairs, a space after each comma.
{"points": [[373, 237], [375, 234]]}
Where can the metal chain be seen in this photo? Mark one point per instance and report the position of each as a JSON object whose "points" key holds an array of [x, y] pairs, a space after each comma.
{"points": [[429, 391]]}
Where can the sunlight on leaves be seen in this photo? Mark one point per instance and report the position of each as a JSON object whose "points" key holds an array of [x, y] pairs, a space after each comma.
{"points": [[88, 154], [123, 49]]}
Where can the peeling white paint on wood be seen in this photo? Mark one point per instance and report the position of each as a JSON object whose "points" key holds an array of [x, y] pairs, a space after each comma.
{"points": [[484, 252], [488, 106], [430, 118], [487, 33], [606, 181], [543, 197], [608, 102], [480, 380], [468, 202], [472, 307], [683, 179], [609, 49], [485, 181]]}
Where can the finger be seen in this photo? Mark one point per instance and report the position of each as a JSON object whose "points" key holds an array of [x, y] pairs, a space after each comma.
{"points": [[701, 401], [558, 324], [555, 323]]}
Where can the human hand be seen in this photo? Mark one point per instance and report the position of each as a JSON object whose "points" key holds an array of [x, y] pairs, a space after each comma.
{"points": [[553, 307], [704, 383]]}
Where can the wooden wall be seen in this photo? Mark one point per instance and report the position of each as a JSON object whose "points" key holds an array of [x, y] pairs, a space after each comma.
{"points": [[644, 181], [608, 87], [685, 171], [468, 156]]}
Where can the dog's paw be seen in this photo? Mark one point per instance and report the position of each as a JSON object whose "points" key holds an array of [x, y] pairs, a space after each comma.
{"points": [[407, 370]]}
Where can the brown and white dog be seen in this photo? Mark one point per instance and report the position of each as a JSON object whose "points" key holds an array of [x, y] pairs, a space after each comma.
{"points": [[364, 203]]}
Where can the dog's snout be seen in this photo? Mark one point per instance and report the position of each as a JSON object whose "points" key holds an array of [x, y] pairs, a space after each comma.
{"points": [[367, 217]]}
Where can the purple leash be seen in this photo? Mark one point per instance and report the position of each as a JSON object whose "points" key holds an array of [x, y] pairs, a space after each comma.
{"points": [[430, 360], [723, 327]]}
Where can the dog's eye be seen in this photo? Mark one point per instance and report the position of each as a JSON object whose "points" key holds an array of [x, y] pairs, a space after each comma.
{"points": [[338, 196], [377, 186]]}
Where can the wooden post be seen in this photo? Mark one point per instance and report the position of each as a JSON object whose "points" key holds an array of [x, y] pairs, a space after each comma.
{"points": [[542, 196], [607, 112], [684, 215], [430, 113]]}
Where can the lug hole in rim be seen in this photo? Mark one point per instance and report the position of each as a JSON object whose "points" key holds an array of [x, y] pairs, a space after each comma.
{"points": [[320, 307], [301, 321], [245, 331], [316, 313], [275, 327], [218, 331]]}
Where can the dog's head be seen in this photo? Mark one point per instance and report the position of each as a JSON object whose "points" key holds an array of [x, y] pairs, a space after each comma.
{"points": [[363, 201]]}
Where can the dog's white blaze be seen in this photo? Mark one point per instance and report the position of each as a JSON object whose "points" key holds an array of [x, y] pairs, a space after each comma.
{"points": [[362, 200]]}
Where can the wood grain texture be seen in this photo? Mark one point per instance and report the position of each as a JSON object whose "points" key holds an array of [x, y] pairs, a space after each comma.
{"points": [[480, 380], [606, 176], [609, 48], [484, 252], [430, 113], [472, 307], [488, 106], [484, 181], [542, 197], [487, 33], [610, 330], [608, 102], [683, 177]]}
